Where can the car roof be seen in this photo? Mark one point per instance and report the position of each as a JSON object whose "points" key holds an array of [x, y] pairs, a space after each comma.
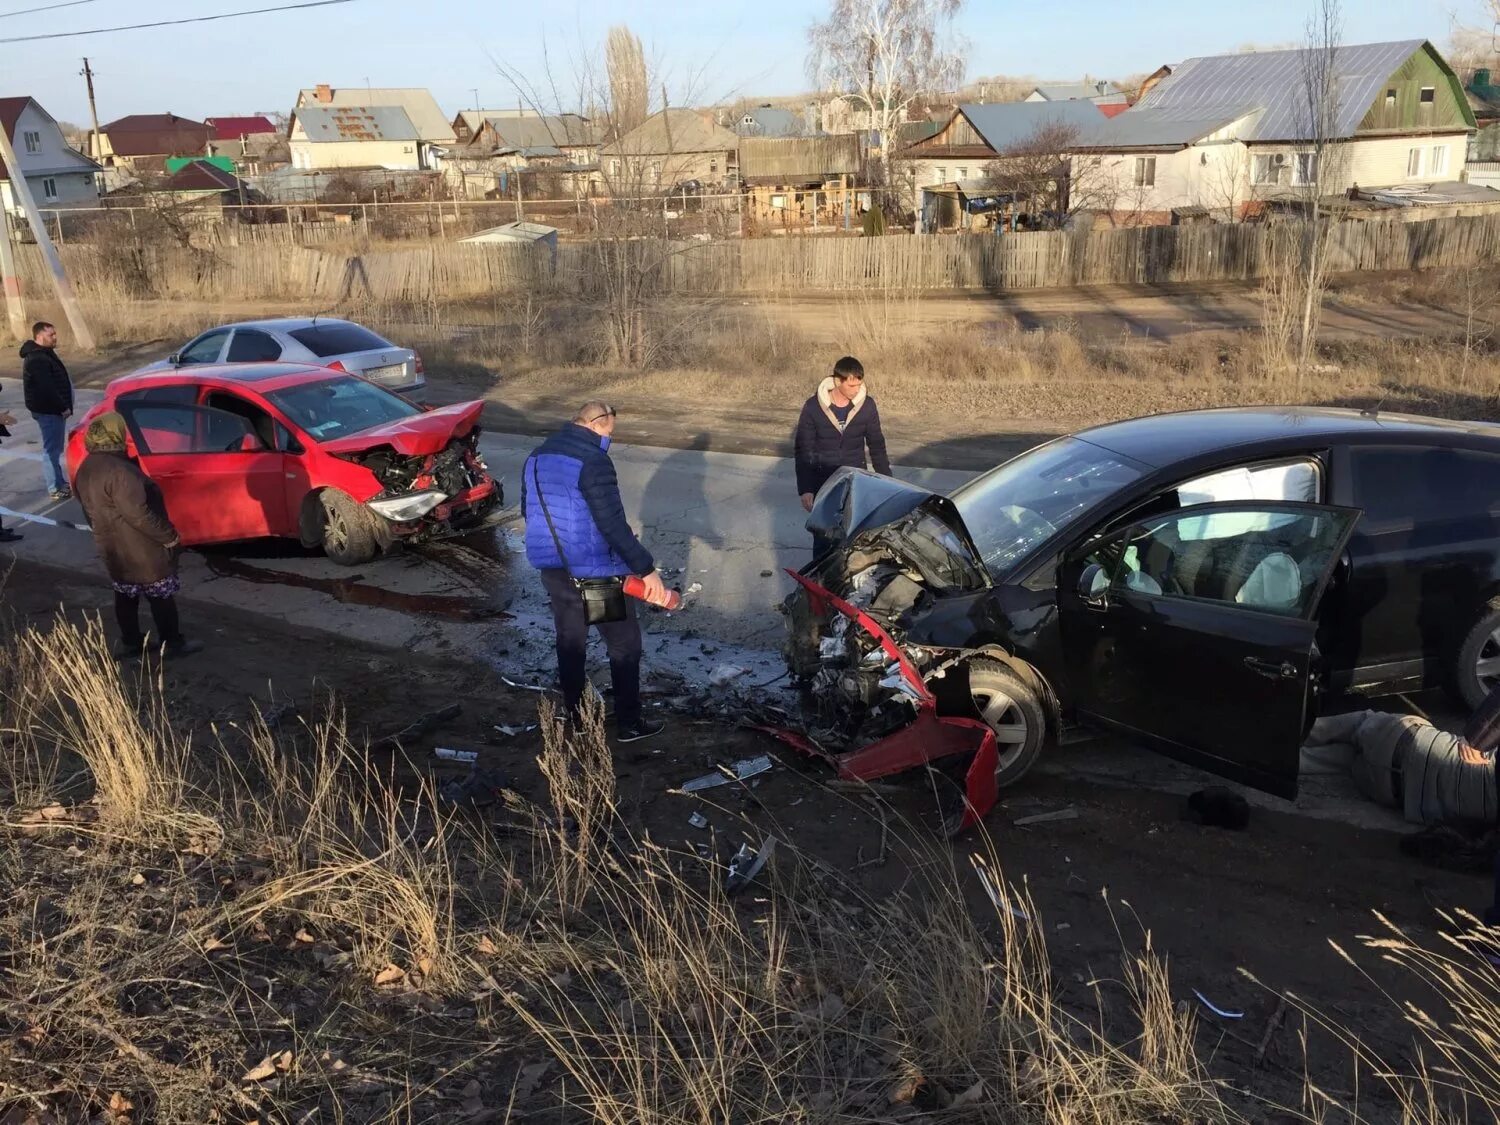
{"points": [[1160, 440], [266, 376], [284, 323]]}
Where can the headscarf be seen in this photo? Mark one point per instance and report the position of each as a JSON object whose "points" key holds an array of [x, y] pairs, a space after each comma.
{"points": [[105, 434]]}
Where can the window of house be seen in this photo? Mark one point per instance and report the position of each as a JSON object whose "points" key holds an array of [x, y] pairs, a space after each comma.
{"points": [[1428, 94], [1266, 168], [1439, 165], [1413, 163], [49, 188], [1145, 171], [1390, 98], [778, 201], [33, 142], [1305, 168], [961, 174], [713, 169]]}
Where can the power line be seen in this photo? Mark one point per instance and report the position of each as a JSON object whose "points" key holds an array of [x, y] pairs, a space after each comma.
{"points": [[45, 8], [171, 23]]}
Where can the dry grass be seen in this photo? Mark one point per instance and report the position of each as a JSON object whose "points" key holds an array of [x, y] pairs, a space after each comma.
{"points": [[353, 951]]}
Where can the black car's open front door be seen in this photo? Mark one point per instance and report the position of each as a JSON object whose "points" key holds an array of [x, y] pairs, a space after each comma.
{"points": [[1194, 630]]}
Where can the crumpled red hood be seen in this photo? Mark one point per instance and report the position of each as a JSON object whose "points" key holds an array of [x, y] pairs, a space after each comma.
{"points": [[421, 434]]}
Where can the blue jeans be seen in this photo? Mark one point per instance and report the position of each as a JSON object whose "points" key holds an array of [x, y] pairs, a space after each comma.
{"points": [[54, 429]]}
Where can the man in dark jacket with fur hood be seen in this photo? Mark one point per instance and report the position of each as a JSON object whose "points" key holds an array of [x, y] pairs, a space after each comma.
{"points": [[838, 425]]}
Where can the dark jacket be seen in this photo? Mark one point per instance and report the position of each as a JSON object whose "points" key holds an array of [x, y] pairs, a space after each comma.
{"points": [[45, 380], [823, 446], [582, 492], [129, 518]]}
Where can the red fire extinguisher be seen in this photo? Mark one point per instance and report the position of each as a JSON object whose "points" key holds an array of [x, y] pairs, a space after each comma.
{"points": [[636, 588]]}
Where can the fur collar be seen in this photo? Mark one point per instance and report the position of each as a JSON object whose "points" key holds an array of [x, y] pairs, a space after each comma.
{"points": [[825, 400]]}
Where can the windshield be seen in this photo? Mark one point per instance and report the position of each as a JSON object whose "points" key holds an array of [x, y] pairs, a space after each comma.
{"points": [[335, 408], [1011, 510]]}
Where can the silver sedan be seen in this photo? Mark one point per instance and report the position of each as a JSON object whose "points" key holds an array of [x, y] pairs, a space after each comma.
{"points": [[339, 344]]}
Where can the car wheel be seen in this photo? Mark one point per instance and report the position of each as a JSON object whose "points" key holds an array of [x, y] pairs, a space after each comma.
{"points": [[348, 538], [1476, 672], [1012, 709]]}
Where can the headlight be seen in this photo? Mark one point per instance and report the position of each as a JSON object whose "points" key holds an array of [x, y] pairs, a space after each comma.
{"points": [[411, 506]]}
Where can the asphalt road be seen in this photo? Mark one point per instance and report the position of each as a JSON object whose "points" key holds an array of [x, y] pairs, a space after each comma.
{"points": [[726, 523]]}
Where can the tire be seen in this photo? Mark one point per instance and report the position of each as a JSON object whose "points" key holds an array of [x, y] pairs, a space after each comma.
{"points": [[1476, 671], [348, 538], [1011, 707]]}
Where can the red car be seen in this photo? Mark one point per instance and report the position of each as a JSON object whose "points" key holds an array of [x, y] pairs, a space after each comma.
{"points": [[243, 451]]}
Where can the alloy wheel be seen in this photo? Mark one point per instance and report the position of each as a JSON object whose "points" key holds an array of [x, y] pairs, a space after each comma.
{"points": [[1006, 720], [1487, 666]]}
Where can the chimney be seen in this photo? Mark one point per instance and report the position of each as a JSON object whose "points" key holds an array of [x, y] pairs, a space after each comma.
{"points": [[323, 93]]}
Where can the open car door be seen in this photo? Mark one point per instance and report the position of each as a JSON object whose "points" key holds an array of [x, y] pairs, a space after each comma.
{"points": [[219, 480], [1194, 631]]}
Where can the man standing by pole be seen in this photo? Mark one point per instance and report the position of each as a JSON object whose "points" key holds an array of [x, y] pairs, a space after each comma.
{"points": [[577, 536], [49, 397]]}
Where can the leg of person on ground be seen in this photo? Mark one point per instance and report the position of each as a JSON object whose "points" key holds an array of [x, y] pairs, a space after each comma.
{"points": [[54, 435], [164, 617], [128, 617], [7, 535], [1492, 915], [571, 626], [622, 640]]}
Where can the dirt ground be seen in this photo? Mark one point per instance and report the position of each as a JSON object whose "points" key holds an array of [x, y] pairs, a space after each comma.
{"points": [[1219, 904]]}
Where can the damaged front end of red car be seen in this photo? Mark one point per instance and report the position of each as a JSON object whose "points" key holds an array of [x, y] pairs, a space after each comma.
{"points": [[425, 496], [886, 717]]}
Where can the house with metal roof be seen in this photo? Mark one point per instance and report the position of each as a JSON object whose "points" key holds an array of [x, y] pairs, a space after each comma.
{"points": [[57, 174], [351, 136], [141, 142], [953, 164], [1232, 134], [419, 106], [670, 148], [1100, 93], [560, 152], [768, 121]]}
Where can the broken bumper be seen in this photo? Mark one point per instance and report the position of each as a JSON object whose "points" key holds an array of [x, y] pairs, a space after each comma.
{"points": [[928, 738], [457, 515]]}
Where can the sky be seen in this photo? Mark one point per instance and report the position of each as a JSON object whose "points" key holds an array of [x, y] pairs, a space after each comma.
{"points": [[703, 52]]}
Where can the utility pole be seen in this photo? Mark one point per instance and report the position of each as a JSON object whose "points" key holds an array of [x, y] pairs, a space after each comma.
{"points": [[10, 280], [21, 190], [95, 151]]}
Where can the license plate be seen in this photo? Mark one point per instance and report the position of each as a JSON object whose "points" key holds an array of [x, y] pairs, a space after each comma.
{"points": [[390, 373]]}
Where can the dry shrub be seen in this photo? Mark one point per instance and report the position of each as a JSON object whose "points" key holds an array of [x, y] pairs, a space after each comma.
{"points": [[75, 699]]}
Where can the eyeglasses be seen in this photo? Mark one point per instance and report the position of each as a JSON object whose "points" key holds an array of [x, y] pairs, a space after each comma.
{"points": [[609, 412]]}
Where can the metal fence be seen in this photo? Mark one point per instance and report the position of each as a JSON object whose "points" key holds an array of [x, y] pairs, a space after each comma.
{"points": [[791, 265]]}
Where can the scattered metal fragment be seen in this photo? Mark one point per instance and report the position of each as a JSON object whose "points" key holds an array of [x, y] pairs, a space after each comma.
{"points": [[511, 732], [740, 771], [524, 687], [991, 887], [746, 865], [698, 820], [450, 755], [1215, 1009], [1069, 813], [725, 674], [425, 725]]}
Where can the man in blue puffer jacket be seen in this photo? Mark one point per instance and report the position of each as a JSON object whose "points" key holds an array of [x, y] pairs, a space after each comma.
{"points": [[572, 471]]}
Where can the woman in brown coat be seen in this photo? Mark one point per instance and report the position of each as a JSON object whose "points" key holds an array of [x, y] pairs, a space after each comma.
{"points": [[131, 529]]}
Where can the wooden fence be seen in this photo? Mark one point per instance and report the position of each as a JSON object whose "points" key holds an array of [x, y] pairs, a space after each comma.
{"points": [[907, 263]]}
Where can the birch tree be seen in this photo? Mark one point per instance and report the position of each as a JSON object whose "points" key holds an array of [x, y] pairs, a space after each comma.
{"points": [[884, 55]]}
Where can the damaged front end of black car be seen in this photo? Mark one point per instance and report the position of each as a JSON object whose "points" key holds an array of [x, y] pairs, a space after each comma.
{"points": [[885, 634]]}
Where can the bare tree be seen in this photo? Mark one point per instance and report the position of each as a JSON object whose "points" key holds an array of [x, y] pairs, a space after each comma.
{"points": [[884, 55], [1477, 44], [1048, 176], [629, 88], [1320, 109]]}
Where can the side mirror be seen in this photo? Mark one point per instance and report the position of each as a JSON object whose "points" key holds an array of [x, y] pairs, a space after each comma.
{"points": [[1093, 585], [175, 359]]}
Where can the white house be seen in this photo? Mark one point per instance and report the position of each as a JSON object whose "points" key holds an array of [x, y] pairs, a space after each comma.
{"points": [[327, 137], [419, 106], [1226, 135], [58, 174]]}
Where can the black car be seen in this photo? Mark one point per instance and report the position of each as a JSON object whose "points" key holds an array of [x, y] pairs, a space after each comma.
{"points": [[1196, 580]]}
